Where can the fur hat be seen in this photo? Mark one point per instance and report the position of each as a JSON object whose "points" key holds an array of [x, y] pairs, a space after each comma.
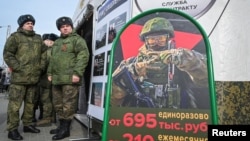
{"points": [[62, 21], [25, 18], [50, 36]]}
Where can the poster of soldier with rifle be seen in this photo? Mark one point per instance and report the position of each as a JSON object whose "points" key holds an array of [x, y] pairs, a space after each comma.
{"points": [[160, 79], [169, 70]]}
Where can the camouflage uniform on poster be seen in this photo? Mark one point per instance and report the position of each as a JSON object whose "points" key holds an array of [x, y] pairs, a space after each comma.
{"points": [[47, 113], [69, 58], [25, 54], [161, 75]]}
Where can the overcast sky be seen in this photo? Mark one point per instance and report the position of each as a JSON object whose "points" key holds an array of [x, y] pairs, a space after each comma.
{"points": [[45, 13]]}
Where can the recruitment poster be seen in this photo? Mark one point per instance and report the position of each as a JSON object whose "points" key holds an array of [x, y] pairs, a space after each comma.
{"points": [[160, 82]]}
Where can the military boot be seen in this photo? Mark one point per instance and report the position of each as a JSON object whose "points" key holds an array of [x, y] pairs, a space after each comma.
{"points": [[55, 131], [44, 122], [30, 129], [64, 131], [14, 135]]}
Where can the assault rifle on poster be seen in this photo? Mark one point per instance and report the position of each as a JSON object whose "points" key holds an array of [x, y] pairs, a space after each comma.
{"points": [[135, 90]]}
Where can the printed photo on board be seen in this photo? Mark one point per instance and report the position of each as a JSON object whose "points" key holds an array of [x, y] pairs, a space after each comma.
{"points": [[167, 69]]}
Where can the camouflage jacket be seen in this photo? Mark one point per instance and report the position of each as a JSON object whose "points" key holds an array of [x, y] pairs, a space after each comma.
{"points": [[25, 54], [69, 56], [44, 82]]}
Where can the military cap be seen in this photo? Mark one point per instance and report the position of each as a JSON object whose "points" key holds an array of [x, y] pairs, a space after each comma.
{"points": [[50, 36], [63, 21], [25, 18]]}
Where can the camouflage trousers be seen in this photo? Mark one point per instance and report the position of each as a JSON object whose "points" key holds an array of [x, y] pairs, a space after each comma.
{"points": [[17, 95], [65, 100], [46, 102]]}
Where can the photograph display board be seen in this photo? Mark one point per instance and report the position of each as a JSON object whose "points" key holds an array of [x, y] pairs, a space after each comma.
{"points": [[160, 82], [109, 19]]}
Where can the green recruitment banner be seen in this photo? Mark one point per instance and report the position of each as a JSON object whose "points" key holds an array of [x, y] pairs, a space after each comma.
{"points": [[160, 85]]}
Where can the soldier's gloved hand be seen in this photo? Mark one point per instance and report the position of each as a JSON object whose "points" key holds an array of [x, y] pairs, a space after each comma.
{"points": [[140, 68], [166, 56], [173, 56], [153, 56]]}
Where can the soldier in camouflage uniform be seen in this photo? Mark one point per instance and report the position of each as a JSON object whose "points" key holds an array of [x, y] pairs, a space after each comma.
{"points": [[161, 75], [47, 113], [25, 54], [69, 58]]}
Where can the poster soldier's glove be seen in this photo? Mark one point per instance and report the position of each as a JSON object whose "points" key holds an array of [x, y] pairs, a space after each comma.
{"points": [[153, 56], [140, 68], [172, 56], [166, 56]]}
